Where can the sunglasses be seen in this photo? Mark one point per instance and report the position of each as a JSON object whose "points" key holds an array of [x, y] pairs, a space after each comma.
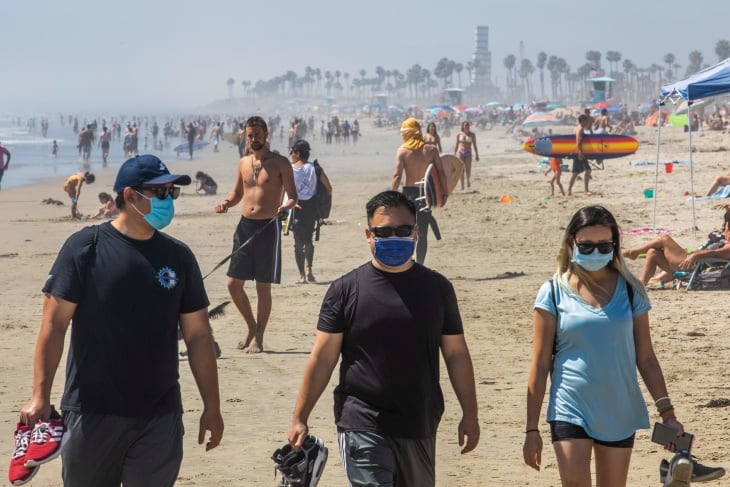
{"points": [[387, 232], [587, 248], [162, 191]]}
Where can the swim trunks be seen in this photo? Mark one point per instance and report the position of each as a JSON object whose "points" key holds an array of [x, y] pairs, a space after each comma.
{"points": [[260, 260], [580, 166]]}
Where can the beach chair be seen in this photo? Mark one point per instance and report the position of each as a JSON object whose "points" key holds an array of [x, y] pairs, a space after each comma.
{"points": [[708, 274]]}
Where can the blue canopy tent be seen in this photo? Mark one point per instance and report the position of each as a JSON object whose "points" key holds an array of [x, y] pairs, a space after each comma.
{"points": [[711, 81]]}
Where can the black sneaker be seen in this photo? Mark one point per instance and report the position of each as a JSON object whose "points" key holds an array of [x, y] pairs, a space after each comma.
{"points": [[700, 473], [301, 468], [679, 471]]}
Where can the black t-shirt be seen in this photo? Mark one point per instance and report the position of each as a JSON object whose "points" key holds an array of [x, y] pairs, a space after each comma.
{"points": [[392, 325], [123, 358]]}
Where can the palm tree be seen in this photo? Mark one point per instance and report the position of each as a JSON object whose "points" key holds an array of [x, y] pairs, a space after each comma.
{"points": [[594, 57], [509, 64], [669, 60], [613, 58], [458, 67], [347, 83], [230, 84], [541, 60], [442, 70], [722, 49], [413, 78], [526, 70], [695, 62]]}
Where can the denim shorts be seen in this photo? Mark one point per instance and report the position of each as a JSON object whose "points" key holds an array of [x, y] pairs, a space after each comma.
{"points": [[560, 430]]}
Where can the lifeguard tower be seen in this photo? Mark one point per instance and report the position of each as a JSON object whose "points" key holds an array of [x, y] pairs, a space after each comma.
{"points": [[453, 96], [600, 88]]}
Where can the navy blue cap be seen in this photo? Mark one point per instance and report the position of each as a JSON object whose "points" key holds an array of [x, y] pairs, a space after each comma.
{"points": [[148, 170]]}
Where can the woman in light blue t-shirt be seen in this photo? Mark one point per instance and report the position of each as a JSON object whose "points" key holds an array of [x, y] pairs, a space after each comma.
{"points": [[591, 334]]}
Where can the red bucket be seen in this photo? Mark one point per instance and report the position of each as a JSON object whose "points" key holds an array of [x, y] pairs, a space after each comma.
{"points": [[668, 167]]}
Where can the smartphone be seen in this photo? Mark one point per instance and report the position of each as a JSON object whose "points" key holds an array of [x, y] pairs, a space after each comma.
{"points": [[663, 434]]}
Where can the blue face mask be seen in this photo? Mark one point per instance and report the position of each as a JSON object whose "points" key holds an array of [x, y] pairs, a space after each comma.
{"points": [[394, 251], [594, 261], [161, 211]]}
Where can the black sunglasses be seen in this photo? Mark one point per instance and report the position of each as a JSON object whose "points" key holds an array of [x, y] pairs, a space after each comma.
{"points": [[387, 232], [588, 247], [162, 191]]}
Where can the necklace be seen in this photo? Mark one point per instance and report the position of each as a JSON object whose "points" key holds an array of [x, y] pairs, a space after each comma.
{"points": [[256, 169]]}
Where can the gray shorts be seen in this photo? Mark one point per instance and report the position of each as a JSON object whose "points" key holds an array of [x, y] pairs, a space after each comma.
{"points": [[386, 461], [107, 451]]}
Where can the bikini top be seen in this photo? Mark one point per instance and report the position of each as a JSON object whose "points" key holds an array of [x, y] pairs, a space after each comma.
{"points": [[465, 139]]}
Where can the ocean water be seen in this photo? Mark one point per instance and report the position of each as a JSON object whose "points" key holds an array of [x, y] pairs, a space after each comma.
{"points": [[31, 152]]}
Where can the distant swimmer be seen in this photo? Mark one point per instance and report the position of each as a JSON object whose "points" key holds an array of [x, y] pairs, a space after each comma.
{"points": [[104, 140], [86, 139], [4, 163], [54, 149]]}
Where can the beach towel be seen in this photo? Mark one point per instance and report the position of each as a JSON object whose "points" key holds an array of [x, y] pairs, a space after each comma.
{"points": [[645, 230], [721, 193]]}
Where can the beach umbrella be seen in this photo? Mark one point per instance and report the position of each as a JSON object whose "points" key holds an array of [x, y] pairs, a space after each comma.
{"points": [[541, 118], [520, 106], [554, 105], [560, 112], [460, 108], [601, 104], [473, 111], [492, 104]]}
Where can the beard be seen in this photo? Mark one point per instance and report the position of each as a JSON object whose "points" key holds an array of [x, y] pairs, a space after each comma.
{"points": [[257, 146]]}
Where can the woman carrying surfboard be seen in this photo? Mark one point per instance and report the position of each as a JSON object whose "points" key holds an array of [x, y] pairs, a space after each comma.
{"points": [[466, 141]]}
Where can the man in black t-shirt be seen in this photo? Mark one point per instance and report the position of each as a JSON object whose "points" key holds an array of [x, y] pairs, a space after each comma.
{"points": [[388, 319], [128, 288]]}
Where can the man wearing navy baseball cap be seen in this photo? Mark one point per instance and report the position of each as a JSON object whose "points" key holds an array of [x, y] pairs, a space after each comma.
{"points": [[126, 286]]}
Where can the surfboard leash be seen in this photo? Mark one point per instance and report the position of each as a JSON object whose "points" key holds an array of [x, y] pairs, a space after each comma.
{"points": [[248, 241]]}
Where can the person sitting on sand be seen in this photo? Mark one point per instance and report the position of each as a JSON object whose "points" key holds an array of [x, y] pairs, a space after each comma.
{"points": [[205, 183], [717, 183], [108, 207], [666, 254], [72, 187]]}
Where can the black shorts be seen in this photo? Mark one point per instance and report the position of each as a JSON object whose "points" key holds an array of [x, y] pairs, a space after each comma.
{"points": [[260, 260], [560, 430], [581, 166]]}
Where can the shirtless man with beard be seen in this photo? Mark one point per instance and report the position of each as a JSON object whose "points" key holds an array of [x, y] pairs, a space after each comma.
{"points": [[261, 180]]}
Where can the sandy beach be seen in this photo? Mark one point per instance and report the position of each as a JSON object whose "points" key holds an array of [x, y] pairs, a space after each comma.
{"points": [[496, 254]]}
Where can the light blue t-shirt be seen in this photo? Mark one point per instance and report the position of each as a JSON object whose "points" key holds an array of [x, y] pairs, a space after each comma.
{"points": [[594, 383]]}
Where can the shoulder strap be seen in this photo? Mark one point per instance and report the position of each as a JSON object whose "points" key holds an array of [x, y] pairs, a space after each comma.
{"points": [[555, 305], [630, 292]]}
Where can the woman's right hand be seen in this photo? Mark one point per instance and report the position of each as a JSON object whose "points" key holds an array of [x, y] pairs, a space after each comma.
{"points": [[532, 449]]}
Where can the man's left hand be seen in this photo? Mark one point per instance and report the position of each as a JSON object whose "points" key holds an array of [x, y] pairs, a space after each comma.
{"points": [[210, 421], [470, 429]]}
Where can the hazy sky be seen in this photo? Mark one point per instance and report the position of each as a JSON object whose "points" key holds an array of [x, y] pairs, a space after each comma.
{"points": [[150, 55]]}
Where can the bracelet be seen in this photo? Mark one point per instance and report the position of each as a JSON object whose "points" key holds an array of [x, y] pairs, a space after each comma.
{"points": [[530, 431], [661, 399], [664, 407]]}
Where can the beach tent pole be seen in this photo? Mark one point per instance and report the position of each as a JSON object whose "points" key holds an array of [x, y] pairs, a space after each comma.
{"points": [[691, 166], [656, 168]]}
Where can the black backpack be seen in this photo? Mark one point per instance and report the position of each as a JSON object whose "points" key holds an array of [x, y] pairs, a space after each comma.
{"points": [[323, 199]]}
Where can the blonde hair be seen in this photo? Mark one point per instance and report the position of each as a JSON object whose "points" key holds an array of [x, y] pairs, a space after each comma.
{"points": [[587, 217]]}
